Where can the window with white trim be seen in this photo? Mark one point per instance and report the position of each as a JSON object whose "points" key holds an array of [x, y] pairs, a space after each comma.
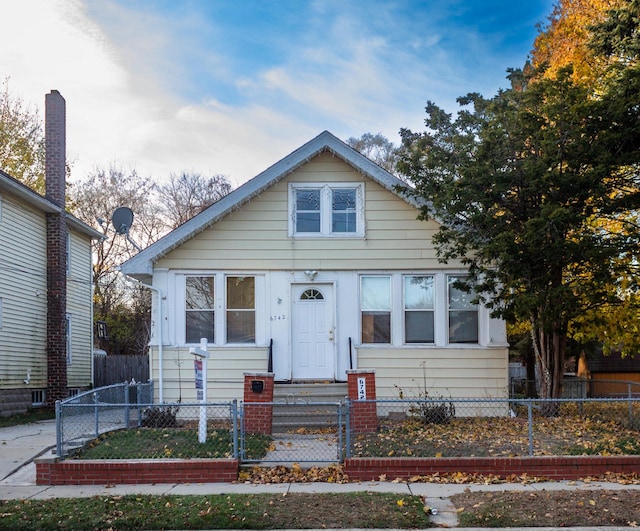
{"points": [[326, 210], [199, 308], [375, 304], [463, 314], [241, 309], [419, 303], [68, 338]]}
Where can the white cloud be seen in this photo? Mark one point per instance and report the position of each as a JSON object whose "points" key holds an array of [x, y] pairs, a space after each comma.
{"points": [[134, 97]]}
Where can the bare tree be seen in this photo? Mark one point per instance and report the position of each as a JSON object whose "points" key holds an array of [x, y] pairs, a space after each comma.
{"points": [[188, 194], [377, 148], [94, 201]]}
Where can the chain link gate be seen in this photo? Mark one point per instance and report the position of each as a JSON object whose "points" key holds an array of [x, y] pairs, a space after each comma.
{"points": [[302, 432]]}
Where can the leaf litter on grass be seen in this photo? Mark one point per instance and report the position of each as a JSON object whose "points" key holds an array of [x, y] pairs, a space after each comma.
{"points": [[584, 508]]}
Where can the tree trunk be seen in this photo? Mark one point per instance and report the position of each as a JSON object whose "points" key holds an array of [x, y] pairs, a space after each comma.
{"points": [[549, 348]]}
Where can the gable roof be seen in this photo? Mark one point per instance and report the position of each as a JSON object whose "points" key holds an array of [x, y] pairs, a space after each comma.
{"points": [[14, 187], [141, 265]]}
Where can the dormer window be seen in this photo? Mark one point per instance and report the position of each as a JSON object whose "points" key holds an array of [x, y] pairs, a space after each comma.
{"points": [[326, 210]]}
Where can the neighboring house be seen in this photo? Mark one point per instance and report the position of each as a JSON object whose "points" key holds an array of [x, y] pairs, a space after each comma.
{"points": [[321, 257], [46, 329], [613, 375]]}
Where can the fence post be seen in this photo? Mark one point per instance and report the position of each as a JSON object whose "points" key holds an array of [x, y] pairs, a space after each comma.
{"points": [[347, 427], [59, 429], [126, 408], [95, 413], [630, 405], [139, 395], [530, 422], [340, 432], [234, 419]]}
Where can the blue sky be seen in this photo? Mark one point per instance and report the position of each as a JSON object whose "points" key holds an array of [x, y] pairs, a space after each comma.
{"points": [[224, 86]]}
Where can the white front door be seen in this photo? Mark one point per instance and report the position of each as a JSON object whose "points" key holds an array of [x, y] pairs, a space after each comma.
{"points": [[312, 345]]}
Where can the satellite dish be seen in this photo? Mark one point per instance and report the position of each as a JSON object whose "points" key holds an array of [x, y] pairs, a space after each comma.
{"points": [[122, 220]]}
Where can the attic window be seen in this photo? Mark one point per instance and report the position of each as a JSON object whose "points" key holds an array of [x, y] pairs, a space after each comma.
{"points": [[326, 210]]}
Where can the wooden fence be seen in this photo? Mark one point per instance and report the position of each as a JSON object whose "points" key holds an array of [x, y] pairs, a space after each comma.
{"points": [[108, 370]]}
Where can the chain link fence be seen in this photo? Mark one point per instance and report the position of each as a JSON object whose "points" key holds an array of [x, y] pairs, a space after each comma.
{"points": [[495, 428], [309, 433], [573, 387], [186, 431], [89, 414], [122, 422]]}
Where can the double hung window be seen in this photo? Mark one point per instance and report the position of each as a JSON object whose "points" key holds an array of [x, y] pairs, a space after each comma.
{"points": [[200, 309], [241, 310], [419, 309], [237, 318], [463, 314], [343, 210], [375, 304], [326, 210]]}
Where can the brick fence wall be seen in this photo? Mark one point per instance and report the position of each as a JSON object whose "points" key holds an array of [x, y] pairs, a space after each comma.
{"points": [[51, 471], [556, 468]]}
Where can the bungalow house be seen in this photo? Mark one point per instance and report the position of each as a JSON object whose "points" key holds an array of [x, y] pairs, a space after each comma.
{"points": [[316, 266], [46, 328]]}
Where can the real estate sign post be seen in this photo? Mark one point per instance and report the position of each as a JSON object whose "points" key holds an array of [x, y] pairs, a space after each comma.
{"points": [[200, 364]]}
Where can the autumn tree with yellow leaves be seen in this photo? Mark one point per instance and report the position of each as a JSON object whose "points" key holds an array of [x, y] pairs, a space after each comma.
{"points": [[537, 190]]}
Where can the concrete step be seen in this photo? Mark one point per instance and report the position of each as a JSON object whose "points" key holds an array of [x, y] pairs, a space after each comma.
{"points": [[307, 405], [309, 392]]}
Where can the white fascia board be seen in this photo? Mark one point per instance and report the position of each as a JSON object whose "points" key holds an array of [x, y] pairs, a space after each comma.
{"points": [[16, 188], [21, 191], [83, 228], [142, 264]]}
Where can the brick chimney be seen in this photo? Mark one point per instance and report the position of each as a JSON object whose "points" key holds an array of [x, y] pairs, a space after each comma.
{"points": [[55, 165]]}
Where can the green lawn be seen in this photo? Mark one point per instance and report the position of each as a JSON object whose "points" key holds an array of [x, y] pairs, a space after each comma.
{"points": [[158, 443], [254, 511]]}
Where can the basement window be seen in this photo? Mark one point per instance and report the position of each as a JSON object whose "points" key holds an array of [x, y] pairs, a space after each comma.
{"points": [[38, 397]]}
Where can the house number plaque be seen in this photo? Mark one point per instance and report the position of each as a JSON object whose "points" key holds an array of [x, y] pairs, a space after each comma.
{"points": [[362, 388]]}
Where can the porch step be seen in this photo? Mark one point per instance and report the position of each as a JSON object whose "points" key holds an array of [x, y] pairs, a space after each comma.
{"points": [[292, 393], [306, 406]]}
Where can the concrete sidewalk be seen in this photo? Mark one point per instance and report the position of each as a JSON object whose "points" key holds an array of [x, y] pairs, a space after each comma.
{"points": [[19, 445]]}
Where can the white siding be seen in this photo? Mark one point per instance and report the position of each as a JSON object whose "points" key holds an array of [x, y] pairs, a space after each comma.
{"points": [[23, 288], [254, 240], [79, 297], [459, 373], [226, 368], [255, 236]]}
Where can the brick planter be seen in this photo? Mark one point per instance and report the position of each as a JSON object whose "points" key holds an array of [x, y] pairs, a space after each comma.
{"points": [[51, 471], [556, 468]]}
